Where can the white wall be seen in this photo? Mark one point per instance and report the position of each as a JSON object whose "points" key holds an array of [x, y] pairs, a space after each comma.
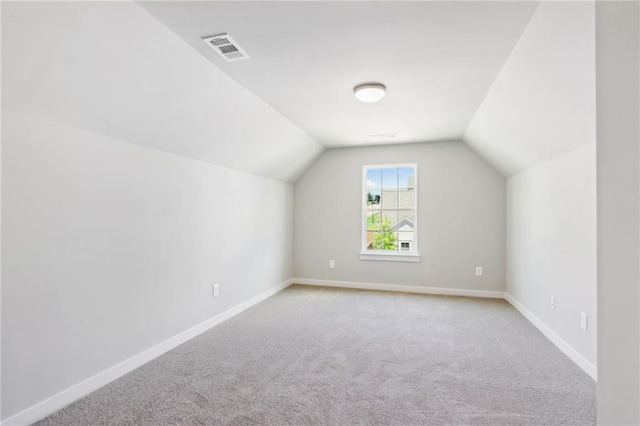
{"points": [[551, 245], [111, 247], [618, 162], [461, 202], [124, 192], [542, 103]]}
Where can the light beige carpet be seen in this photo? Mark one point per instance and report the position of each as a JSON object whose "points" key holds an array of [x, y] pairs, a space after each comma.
{"points": [[313, 355]]}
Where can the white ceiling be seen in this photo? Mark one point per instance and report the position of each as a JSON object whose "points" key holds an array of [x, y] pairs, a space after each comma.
{"points": [[513, 80], [438, 60], [112, 69], [543, 103]]}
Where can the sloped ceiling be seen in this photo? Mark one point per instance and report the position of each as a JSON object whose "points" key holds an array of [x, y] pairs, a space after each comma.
{"points": [[514, 80], [437, 59], [542, 103], [112, 69]]}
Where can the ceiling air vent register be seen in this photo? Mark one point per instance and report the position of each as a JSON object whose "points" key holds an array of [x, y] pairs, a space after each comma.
{"points": [[226, 47]]}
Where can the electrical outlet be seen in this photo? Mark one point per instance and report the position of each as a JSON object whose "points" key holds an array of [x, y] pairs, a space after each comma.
{"points": [[552, 302], [332, 264], [583, 321], [478, 271], [216, 290]]}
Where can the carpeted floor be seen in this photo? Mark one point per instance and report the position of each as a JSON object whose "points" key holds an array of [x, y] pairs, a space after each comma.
{"points": [[315, 355]]}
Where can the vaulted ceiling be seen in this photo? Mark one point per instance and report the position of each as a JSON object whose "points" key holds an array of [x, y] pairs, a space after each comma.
{"points": [[543, 102], [437, 59], [112, 69], [514, 80]]}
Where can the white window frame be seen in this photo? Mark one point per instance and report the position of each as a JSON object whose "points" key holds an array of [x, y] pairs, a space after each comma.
{"points": [[413, 255]]}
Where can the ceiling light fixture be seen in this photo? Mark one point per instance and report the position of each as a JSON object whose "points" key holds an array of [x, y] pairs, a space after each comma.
{"points": [[369, 92]]}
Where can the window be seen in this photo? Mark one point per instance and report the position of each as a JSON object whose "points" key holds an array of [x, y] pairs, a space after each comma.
{"points": [[389, 213]]}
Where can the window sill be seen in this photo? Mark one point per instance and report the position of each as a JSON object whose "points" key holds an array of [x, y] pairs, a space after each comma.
{"points": [[390, 257]]}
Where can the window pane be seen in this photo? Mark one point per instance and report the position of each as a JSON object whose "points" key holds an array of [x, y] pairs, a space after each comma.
{"points": [[406, 198], [373, 198], [406, 177], [387, 237], [373, 220], [390, 208], [406, 214], [390, 178], [371, 238], [389, 199], [390, 218], [374, 178], [405, 230]]}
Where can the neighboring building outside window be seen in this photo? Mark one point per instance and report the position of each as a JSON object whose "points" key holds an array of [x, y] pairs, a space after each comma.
{"points": [[389, 217]]}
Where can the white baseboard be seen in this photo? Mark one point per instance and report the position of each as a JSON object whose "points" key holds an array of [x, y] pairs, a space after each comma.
{"points": [[67, 396], [402, 288], [566, 348]]}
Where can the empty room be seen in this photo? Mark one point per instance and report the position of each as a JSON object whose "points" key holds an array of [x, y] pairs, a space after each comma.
{"points": [[320, 212]]}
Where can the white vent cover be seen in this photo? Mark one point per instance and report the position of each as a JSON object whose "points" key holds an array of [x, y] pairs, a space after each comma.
{"points": [[226, 47], [384, 135]]}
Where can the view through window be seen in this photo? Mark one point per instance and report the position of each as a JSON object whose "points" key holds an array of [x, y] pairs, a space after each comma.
{"points": [[389, 208]]}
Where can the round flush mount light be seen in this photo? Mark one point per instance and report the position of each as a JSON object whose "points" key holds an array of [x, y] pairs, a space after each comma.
{"points": [[369, 92]]}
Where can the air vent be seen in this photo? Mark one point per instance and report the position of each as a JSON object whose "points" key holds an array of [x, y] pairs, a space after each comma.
{"points": [[384, 135], [226, 47]]}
